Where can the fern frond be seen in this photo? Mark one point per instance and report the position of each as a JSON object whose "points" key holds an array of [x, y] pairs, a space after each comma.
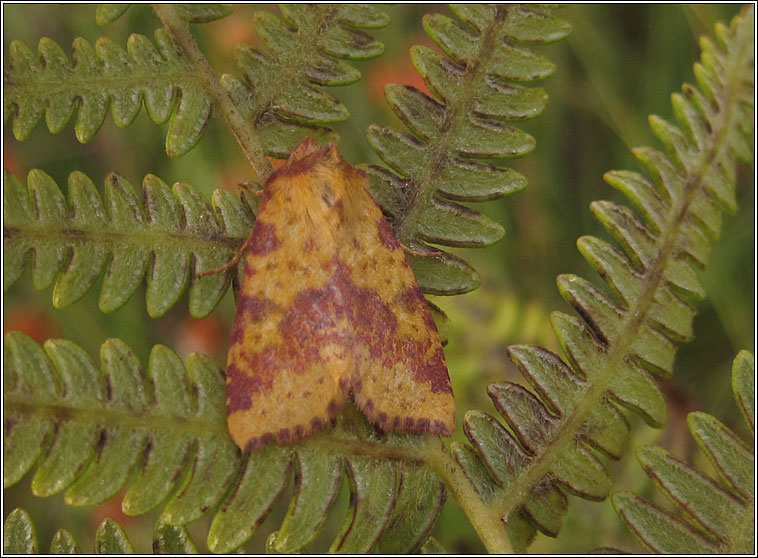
{"points": [[89, 430], [193, 13], [19, 537], [475, 97], [169, 237], [282, 101], [203, 13], [282, 93], [103, 76], [574, 412], [718, 518], [108, 13]]}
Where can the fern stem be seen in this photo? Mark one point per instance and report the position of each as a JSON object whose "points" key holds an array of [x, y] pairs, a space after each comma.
{"points": [[338, 445], [243, 132], [485, 520]]}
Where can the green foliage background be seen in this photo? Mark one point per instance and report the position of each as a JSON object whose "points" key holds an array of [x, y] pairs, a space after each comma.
{"points": [[619, 64]]}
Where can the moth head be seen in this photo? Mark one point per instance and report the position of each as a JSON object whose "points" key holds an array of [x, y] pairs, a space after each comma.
{"points": [[317, 182]]}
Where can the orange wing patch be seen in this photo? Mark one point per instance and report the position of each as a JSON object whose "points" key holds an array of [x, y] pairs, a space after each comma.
{"points": [[328, 305]]}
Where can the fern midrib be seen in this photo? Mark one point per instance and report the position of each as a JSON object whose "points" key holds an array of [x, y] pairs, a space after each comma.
{"points": [[135, 239], [108, 417], [102, 85], [104, 417], [301, 57], [543, 462], [475, 72]]}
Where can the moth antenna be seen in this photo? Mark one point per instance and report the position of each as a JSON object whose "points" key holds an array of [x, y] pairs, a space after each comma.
{"points": [[254, 190], [231, 263], [238, 255], [420, 254]]}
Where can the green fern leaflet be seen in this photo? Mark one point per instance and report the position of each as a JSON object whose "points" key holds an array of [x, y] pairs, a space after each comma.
{"points": [[476, 97], [718, 520], [20, 537]]}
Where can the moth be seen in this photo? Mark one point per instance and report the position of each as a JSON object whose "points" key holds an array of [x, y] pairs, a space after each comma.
{"points": [[328, 306]]}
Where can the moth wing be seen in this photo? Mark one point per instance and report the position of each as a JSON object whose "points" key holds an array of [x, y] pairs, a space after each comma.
{"points": [[287, 372], [401, 382]]}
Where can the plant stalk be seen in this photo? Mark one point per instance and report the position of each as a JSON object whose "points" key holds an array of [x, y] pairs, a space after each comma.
{"points": [[242, 130], [485, 520]]}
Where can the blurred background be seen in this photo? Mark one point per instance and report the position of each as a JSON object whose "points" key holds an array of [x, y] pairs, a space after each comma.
{"points": [[620, 64]]}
